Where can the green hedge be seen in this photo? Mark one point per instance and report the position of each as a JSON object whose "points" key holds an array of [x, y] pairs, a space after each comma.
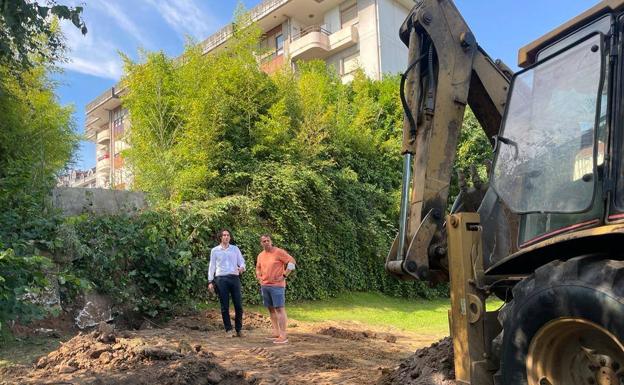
{"points": [[156, 262]]}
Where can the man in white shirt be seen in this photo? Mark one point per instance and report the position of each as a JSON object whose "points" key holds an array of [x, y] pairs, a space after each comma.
{"points": [[226, 265]]}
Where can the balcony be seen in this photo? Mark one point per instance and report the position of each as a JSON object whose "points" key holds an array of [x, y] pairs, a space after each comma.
{"points": [[310, 43], [272, 63], [315, 42], [258, 12], [103, 136], [103, 161], [118, 161], [98, 110]]}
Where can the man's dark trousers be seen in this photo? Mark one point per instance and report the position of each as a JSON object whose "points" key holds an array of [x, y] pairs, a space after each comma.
{"points": [[230, 285]]}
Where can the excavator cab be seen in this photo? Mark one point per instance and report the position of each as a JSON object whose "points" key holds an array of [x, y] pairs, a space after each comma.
{"points": [[545, 233], [549, 165]]}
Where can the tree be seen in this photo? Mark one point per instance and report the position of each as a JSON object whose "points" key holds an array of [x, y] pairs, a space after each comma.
{"points": [[37, 140], [29, 35], [192, 118]]}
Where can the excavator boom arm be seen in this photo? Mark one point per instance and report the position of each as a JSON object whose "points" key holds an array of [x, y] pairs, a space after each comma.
{"points": [[447, 71]]}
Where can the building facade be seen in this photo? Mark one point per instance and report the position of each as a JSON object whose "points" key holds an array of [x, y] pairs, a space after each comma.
{"points": [[347, 35], [78, 178]]}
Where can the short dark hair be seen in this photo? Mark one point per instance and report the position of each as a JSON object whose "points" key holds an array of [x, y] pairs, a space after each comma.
{"points": [[266, 235], [220, 234]]}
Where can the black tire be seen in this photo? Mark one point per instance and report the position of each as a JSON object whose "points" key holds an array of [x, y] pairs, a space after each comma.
{"points": [[585, 287]]}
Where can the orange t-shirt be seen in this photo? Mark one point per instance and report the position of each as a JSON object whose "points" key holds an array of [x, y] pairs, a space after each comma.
{"points": [[270, 267]]}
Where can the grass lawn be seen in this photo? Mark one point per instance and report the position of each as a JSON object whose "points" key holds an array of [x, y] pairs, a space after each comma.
{"points": [[375, 309]]}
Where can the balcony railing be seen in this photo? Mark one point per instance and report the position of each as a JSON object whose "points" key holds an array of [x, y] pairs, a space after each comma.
{"points": [[315, 42], [265, 7], [309, 29], [103, 136], [103, 156], [257, 13], [112, 92], [272, 64]]}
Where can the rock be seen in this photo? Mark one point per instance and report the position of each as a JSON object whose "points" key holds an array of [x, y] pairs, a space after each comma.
{"points": [[98, 349], [67, 369], [158, 353], [105, 357], [42, 363], [107, 338], [50, 333], [391, 339], [184, 347], [97, 309], [106, 328], [214, 377], [197, 347]]}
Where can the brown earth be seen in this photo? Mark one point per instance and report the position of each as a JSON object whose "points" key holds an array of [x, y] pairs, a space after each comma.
{"points": [[428, 366], [193, 349]]}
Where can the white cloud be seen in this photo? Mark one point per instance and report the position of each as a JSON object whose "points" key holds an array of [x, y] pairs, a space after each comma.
{"points": [[120, 17], [185, 17], [112, 27], [91, 54]]}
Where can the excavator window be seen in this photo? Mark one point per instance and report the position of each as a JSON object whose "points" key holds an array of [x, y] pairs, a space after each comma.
{"points": [[553, 112]]}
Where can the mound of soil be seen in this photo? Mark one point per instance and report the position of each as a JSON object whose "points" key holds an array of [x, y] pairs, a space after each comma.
{"points": [[346, 334], [106, 357], [428, 366]]}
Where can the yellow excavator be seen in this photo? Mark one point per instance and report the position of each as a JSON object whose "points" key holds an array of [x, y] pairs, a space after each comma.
{"points": [[545, 233]]}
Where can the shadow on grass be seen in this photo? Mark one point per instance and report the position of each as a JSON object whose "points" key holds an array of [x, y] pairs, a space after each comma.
{"points": [[26, 350]]}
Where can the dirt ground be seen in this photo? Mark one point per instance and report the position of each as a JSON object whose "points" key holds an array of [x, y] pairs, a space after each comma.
{"points": [[194, 350], [432, 365]]}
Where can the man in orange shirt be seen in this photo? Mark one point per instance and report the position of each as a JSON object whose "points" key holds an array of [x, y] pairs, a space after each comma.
{"points": [[272, 267]]}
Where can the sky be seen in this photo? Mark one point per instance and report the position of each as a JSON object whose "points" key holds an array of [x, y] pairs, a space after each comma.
{"points": [[94, 64]]}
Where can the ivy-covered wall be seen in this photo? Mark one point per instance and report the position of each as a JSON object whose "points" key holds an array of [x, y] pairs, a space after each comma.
{"points": [[156, 262]]}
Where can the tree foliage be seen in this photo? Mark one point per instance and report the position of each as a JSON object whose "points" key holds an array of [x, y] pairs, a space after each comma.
{"points": [[317, 160], [29, 35], [473, 151], [36, 142]]}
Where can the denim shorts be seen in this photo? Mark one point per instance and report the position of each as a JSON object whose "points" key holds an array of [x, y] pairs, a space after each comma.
{"points": [[273, 296]]}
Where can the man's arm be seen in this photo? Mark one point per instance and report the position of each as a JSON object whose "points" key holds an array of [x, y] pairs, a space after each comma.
{"points": [[240, 261], [258, 269], [289, 261], [212, 267]]}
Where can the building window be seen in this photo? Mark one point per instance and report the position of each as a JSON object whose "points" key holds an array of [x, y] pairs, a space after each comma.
{"points": [[118, 121], [348, 14], [272, 43], [350, 64], [279, 43]]}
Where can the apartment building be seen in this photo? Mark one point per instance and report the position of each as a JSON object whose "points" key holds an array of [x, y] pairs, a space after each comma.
{"points": [[347, 35], [78, 178]]}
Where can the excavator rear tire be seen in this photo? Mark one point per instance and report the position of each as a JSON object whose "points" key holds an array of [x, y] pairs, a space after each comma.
{"points": [[565, 325]]}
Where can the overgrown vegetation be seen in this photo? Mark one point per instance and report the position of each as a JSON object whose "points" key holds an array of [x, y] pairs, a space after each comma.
{"points": [[36, 141], [217, 143]]}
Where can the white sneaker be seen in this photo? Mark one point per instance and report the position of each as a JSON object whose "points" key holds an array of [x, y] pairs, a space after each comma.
{"points": [[229, 334]]}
